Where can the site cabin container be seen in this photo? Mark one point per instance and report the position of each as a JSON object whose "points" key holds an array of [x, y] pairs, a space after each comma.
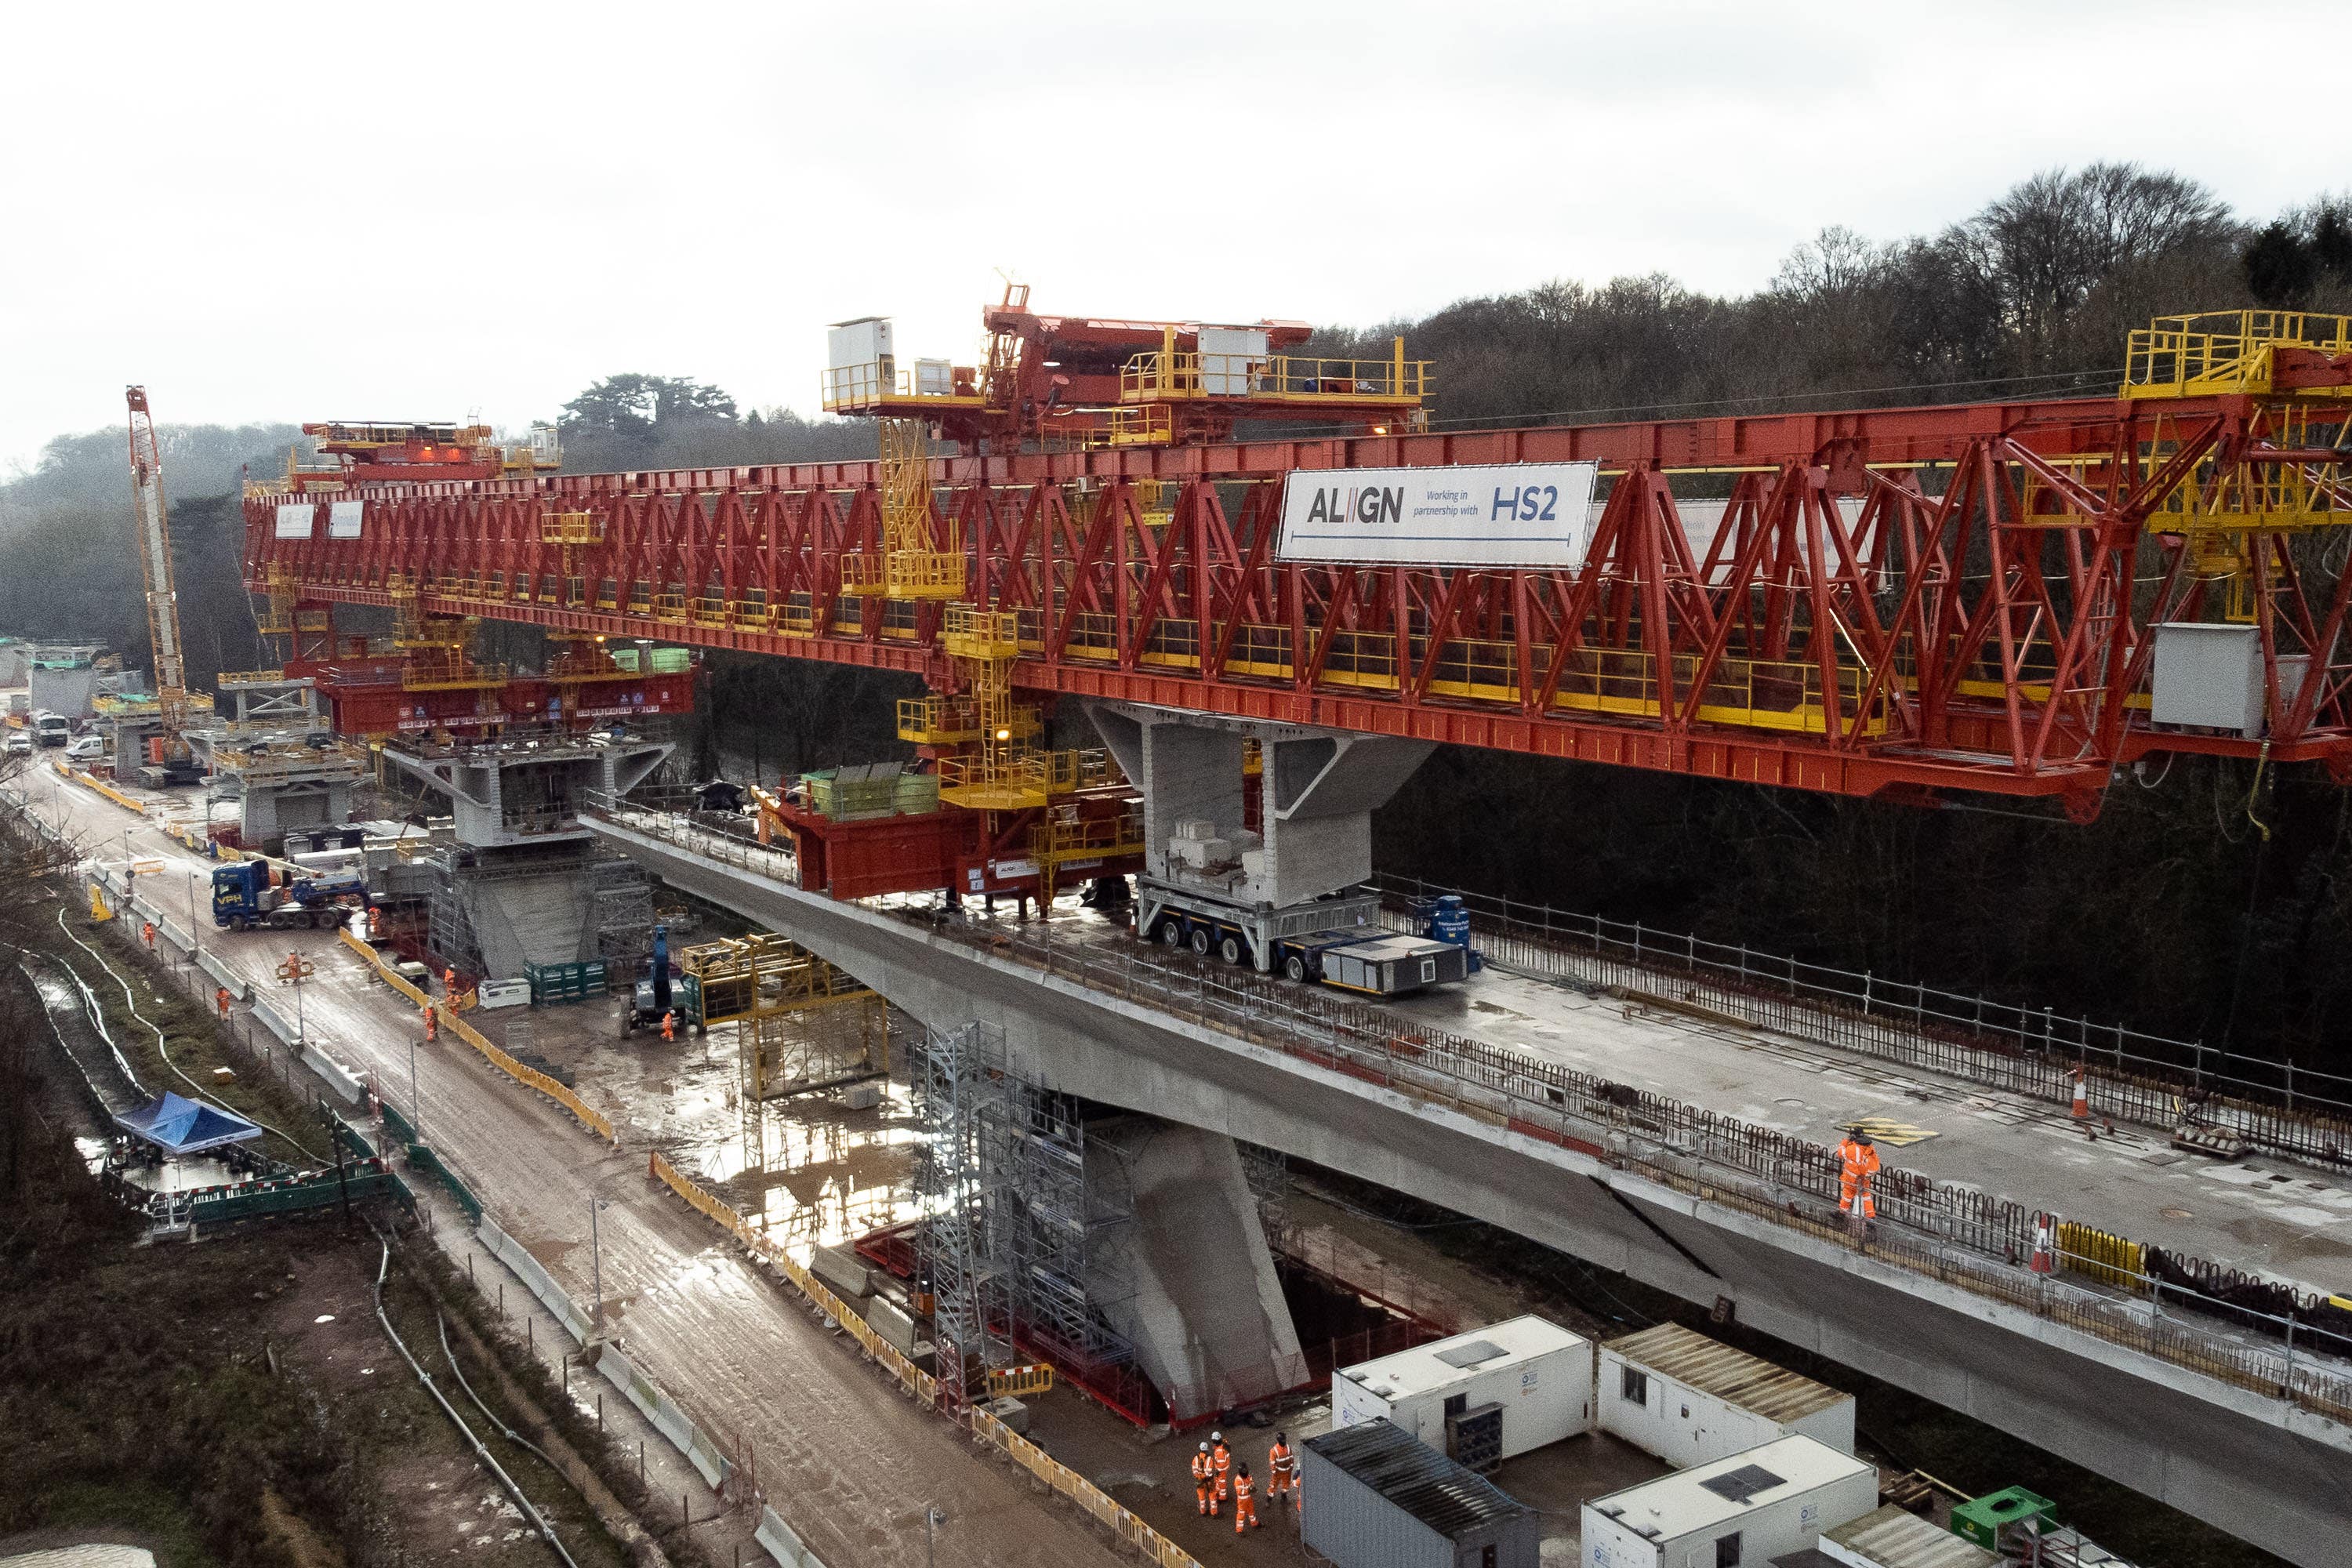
{"points": [[1890, 1537], [1480, 1397], [1737, 1512], [1687, 1399], [1383, 1499]]}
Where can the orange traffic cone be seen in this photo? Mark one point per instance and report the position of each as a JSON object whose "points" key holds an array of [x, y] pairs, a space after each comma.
{"points": [[2081, 1097], [2045, 1226]]}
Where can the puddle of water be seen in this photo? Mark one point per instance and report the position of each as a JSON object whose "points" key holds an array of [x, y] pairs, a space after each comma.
{"points": [[809, 1172]]}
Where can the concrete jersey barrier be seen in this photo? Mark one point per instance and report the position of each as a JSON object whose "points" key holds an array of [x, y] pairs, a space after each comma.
{"points": [[536, 1279], [668, 1419], [339, 1078], [783, 1544]]}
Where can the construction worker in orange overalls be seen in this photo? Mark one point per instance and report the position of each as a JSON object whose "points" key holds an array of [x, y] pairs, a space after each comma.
{"points": [[450, 980], [431, 1023], [220, 999], [669, 1025], [1281, 1469], [1857, 1163], [1222, 1458], [1244, 1504], [1204, 1476], [147, 934]]}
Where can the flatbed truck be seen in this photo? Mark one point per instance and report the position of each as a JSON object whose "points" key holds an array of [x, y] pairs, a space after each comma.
{"points": [[250, 895], [1335, 941]]}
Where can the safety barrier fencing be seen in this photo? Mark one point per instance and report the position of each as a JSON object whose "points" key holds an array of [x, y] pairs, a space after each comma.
{"points": [[76, 775], [911, 1377], [1065, 1481], [921, 1384], [423, 1156], [531, 1077], [2272, 1105], [2100, 1255], [616, 1366], [358, 1180], [1953, 1233]]}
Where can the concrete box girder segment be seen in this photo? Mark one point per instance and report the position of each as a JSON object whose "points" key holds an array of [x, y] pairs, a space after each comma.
{"points": [[508, 792], [2258, 1467], [1320, 786]]}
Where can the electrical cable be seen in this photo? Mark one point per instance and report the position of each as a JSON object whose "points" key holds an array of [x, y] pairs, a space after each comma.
{"points": [[160, 1048], [512, 1435], [481, 1450]]}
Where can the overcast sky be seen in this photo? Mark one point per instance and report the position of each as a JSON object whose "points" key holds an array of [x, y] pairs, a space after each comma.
{"points": [[308, 212]]}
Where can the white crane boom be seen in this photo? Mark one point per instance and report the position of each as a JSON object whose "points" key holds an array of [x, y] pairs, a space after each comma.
{"points": [[154, 531]]}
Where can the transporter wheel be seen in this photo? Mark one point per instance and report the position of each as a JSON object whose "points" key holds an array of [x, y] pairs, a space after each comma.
{"points": [[1295, 967], [1200, 941], [1171, 932], [1233, 951]]}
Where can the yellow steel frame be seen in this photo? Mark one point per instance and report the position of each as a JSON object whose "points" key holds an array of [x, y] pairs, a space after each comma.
{"points": [[1170, 375], [2222, 352], [911, 567]]}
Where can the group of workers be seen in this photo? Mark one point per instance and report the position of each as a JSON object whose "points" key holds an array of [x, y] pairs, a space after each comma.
{"points": [[1216, 1478]]}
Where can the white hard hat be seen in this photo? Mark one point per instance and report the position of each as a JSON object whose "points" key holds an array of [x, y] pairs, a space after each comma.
{"points": [[1204, 1447], [1216, 1436]]}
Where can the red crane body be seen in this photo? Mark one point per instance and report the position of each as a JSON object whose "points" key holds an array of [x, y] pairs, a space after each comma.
{"points": [[1876, 602]]}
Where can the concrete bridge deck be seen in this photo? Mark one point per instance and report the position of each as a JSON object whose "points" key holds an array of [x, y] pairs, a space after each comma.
{"points": [[1503, 1124]]}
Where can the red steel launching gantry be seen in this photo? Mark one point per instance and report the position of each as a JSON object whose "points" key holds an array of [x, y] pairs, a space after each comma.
{"points": [[2014, 598]]}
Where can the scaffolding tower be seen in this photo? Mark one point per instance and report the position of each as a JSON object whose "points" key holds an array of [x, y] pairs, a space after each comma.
{"points": [[621, 916], [970, 1108], [1025, 1254], [1073, 1244]]}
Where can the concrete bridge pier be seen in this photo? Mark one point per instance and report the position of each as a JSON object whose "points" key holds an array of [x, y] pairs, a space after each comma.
{"points": [[1194, 1287]]}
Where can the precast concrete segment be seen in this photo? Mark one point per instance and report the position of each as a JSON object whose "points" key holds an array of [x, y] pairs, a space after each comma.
{"points": [[1192, 1286], [1321, 788], [2256, 1467], [739, 1355]]}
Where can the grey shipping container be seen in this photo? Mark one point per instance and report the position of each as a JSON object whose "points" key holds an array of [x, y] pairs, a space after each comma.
{"points": [[1373, 1496]]}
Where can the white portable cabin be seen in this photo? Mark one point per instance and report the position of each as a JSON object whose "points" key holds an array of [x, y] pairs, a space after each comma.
{"points": [[1501, 1390], [1688, 1399], [1746, 1510]]}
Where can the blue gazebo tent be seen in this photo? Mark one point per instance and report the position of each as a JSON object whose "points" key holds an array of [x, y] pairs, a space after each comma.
{"points": [[178, 1126]]}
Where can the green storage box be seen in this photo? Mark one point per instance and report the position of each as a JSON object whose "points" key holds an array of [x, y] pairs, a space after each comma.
{"points": [[1981, 1520], [551, 983]]}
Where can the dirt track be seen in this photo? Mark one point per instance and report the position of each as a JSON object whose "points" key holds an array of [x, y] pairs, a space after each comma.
{"points": [[842, 1457]]}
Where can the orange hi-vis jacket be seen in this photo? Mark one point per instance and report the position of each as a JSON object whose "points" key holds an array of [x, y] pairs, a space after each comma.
{"points": [[1242, 1486], [1858, 1162], [1223, 1458], [1280, 1465], [1204, 1469]]}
